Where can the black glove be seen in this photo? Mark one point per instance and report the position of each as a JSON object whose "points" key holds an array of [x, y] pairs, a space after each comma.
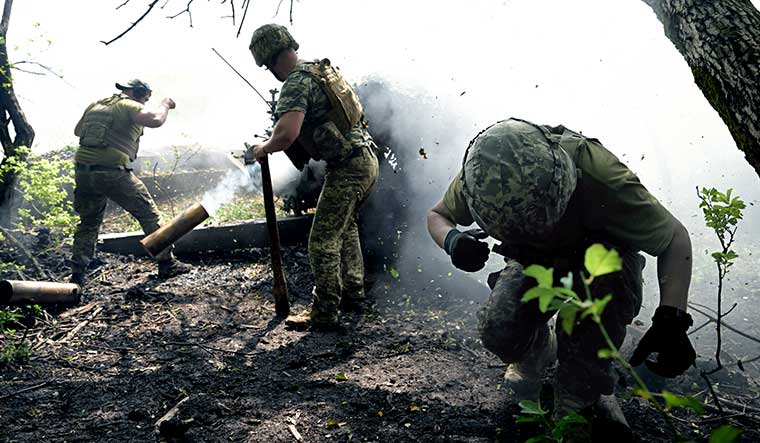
{"points": [[667, 337], [467, 253]]}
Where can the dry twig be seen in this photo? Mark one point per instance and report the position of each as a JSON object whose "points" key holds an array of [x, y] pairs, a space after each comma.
{"points": [[81, 325], [31, 388], [210, 349], [185, 11], [150, 7]]}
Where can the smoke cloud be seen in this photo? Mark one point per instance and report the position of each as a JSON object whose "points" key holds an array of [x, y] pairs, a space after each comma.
{"points": [[234, 182], [422, 139]]}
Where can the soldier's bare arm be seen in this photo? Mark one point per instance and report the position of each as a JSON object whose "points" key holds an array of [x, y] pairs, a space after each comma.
{"points": [[155, 118], [439, 223], [284, 134], [674, 268]]}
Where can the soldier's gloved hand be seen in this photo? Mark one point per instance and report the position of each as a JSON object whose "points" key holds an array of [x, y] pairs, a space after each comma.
{"points": [[466, 251], [667, 337]]}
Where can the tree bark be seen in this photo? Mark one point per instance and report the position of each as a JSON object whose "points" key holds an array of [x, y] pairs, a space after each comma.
{"points": [[10, 113], [720, 41]]}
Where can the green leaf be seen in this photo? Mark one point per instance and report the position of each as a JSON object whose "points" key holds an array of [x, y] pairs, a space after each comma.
{"points": [[544, 296], [682, 401], [571, 419], [597, 308], [605, 353], [340, 376], [566, 424], [332, 423], [540, 439], [567, 292], [724, 434], [643, 393], [531, 407], [529, 419], [601, 261], [545, 300], [544, 277], [394, 273], [567, 281], [568, 314]]}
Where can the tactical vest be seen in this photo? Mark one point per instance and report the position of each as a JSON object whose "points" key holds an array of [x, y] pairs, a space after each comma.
{"points": [[328, 139], [103, 126]]}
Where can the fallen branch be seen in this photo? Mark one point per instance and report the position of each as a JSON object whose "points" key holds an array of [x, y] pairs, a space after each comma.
{"points": [[164, 426], [81, 325], [78, 311], [714, 395], [209, 348], [296, 434], [21, 391]]}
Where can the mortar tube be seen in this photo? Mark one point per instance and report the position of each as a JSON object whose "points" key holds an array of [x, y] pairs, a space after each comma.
{"points": [[169, 233], [19, 292]]}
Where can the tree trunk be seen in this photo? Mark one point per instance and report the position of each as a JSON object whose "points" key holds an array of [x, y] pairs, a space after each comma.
{"points": [[720, 40], [11, 113]]}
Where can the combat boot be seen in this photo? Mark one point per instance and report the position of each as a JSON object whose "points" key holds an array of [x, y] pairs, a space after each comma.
{"points": [[605, 417], [352, 302], [608, 419], [78, 279], [524, 377], [314, 320], [171, 268]]}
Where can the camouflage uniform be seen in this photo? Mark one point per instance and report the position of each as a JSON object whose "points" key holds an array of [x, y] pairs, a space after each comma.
{"points": [[334, 249], [554, 194], [102, 173]]}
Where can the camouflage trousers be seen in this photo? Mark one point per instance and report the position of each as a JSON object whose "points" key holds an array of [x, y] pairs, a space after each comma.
{"points": [[93, 190], [334, 249], [513, 330]]}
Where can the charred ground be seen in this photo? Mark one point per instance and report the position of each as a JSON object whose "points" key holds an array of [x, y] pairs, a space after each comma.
{"points": [[410, 368]]}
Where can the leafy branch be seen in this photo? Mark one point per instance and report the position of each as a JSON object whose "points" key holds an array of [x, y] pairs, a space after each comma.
{"points": [[571, 308], [722, 213]]}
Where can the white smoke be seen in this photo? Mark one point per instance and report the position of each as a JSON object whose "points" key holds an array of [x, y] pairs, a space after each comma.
{"points": [[234, 182], [298, 183]]}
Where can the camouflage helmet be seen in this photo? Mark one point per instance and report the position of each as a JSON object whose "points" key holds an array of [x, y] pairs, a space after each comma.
{"points": [[517, 183], [268, 41]]}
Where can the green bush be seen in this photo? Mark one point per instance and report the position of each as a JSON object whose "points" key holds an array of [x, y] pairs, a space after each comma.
{"points": [[43, 183]]}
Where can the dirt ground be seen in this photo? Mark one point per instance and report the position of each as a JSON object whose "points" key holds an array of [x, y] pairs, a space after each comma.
{"points": [[410, 368]]}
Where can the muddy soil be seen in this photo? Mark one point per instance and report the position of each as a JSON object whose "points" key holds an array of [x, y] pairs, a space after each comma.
{"points": [[206, 348]]}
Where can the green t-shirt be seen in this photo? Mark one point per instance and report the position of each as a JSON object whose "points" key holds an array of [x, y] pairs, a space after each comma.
{"points": [[124, 116], [609, 205]]}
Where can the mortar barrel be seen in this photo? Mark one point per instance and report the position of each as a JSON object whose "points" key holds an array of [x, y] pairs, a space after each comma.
{"points": [[19, 292], [169, 233]]}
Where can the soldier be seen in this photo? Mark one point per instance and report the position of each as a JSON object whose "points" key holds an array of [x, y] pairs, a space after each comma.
{"points": [[547, 193], [320, 110], [109, 135]]}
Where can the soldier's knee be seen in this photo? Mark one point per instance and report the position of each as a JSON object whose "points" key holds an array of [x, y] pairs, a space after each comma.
{"points": [[88, 225], [508, 340], [324, 247]]}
